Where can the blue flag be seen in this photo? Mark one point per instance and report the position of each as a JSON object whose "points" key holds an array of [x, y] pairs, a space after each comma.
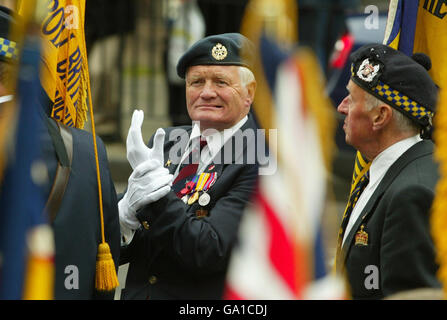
{"points": [[21, 199], [402, 25]]}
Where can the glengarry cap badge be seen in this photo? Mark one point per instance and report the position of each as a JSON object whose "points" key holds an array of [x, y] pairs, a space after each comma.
{"points": [[367, 71], [219, 52]]}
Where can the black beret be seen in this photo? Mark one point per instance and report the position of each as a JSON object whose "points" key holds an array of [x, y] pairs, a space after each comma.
{"points": [[401, 81], [221, 49], [8, 44]]}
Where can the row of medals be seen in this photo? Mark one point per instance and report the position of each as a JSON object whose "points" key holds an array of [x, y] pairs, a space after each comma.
{"points": [[200, 183]]}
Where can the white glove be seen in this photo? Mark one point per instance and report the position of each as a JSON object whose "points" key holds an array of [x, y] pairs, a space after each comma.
{"points": [[148, 183], [137, 151]]}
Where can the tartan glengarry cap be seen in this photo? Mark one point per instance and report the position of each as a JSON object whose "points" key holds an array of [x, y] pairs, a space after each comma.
{"points": [[221, 49], [401, 81], [8, 44]]}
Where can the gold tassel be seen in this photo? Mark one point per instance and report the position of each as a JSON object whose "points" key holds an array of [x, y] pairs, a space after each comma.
{"points": [[106, 278]]}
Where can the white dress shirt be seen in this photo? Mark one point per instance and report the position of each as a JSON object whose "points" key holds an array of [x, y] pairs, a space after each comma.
{"points": [[377, 171]]}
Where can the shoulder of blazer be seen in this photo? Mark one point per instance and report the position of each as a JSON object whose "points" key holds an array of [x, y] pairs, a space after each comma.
{"points": [[417, 151], [250, 123], [83, 143]]}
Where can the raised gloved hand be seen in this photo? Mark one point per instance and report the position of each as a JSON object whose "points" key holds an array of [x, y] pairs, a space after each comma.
{"points": [[148, 183], [137, 151]]}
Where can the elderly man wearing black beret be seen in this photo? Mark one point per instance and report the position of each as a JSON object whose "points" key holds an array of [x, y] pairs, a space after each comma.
{"points": [[385, 244], [180, 214]]}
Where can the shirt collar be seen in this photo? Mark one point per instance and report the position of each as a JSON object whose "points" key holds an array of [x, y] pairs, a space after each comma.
{"points": [[387, 157], [216, 139]]}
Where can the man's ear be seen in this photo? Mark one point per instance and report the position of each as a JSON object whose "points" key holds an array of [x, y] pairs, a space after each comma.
{"points": [[251, 90], [382, 115]]}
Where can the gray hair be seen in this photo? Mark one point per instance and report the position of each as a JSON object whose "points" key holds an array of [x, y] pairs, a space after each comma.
{"points": [[404, 123], [246, 76]]}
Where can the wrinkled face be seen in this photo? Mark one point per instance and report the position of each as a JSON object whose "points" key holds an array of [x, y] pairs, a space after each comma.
{"points": [[358, 122], [216, 97]]}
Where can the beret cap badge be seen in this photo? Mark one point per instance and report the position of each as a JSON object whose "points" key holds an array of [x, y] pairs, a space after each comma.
{"points": [[227, 49], [367, 71], [219, 52]]}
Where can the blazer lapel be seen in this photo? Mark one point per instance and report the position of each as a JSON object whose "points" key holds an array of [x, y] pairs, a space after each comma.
{"points": [[420, 149], [169, 164], [369, 208]]}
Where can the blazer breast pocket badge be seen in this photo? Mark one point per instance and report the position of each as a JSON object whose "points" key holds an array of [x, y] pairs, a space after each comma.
{"points": [[361, 237]]}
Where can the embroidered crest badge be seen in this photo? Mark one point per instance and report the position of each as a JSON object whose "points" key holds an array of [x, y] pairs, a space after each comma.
{"points": [[367, 71], [219, 52]]}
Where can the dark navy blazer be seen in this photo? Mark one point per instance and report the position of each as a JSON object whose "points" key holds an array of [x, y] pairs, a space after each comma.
{"points": [[400, 252], [180, 255]]}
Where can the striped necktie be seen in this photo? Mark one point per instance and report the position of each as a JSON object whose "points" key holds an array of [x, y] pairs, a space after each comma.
{"points": [[188, 169], [359, 183]]}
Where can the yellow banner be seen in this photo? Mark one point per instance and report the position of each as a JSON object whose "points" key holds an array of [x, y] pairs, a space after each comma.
{"points": [[64, 73], [431, 37]]}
